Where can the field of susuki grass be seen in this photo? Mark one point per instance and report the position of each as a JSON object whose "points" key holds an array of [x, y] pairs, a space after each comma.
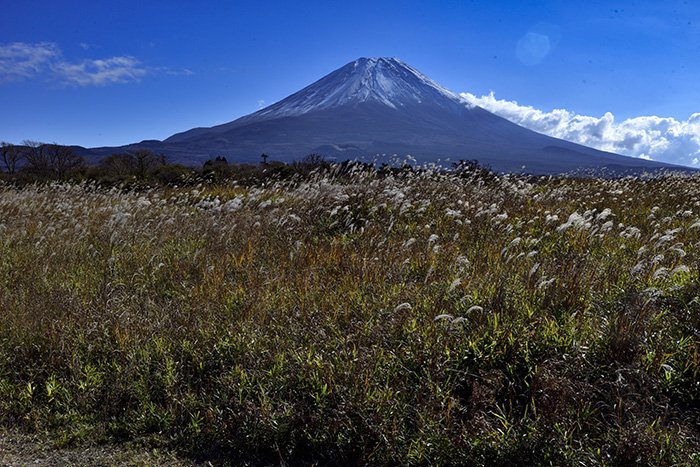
{"points": [[414, 318]]}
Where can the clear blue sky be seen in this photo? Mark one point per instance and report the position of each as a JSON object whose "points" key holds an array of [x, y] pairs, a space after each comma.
{"points": [[108, 73]]}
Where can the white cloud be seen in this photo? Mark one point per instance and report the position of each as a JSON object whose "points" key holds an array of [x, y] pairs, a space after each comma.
{"points": [[649, 137], [21, 60], [100, 72]]}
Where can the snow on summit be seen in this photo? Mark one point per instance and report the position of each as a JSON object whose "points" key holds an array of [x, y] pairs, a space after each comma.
{"points": [[387, 81]]}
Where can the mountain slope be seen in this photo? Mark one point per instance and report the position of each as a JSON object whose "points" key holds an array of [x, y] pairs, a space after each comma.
{"points": [[383, 106]]}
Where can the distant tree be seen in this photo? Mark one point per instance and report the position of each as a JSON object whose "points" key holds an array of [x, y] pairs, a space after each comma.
{"points": [[216, 169], [311, 163], [62, 160], [220, 161], [146, 162], [278, 170], [140, 164], [315, 160], [472, 168], [11, 156], [120, 165], [50, 160], [172, 174], [34, 153]]}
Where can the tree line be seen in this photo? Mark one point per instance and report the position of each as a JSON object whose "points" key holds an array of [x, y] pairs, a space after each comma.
{"points": [[40, 160], [33, 162]]}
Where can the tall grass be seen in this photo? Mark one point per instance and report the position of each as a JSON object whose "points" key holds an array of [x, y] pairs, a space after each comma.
{"points": [[414, 318]]}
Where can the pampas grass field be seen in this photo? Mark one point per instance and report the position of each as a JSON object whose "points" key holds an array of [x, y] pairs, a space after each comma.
{"points": [[415, 317]]}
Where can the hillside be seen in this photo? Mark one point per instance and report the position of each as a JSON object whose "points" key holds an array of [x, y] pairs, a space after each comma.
{"points": [[383, 106]]}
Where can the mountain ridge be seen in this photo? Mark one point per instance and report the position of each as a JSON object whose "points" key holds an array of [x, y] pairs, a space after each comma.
{"points": [[374, 106]]}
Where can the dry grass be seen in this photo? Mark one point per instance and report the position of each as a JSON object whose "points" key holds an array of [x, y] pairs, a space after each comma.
{"points": [[407, 319]]}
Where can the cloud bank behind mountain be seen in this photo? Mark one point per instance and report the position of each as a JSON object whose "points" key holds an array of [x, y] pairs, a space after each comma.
{"points": [[662, 139]]}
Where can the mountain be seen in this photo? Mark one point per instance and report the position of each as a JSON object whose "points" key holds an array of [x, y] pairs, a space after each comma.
{"points": [[375, 106]]}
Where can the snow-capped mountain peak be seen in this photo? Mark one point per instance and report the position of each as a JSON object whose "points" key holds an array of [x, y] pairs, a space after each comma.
{"points": [[375, 106], [388, 81]]}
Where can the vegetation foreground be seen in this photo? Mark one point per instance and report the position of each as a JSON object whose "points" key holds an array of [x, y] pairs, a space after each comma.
{"points": [[406, 318]]}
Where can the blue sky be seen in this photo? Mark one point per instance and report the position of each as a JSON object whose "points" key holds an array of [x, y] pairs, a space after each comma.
{"points": [[110, 73]]}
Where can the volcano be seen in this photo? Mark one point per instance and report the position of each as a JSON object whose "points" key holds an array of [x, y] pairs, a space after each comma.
{"points": [[383, 106]]}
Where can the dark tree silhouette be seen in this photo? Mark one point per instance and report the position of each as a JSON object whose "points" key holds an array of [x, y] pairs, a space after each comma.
{"points": [[311, 163], [216, 169], [11, 156], [146, 161], [139, 164], [62, 161], [51, 160], [120, 165], [35, 155]]}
